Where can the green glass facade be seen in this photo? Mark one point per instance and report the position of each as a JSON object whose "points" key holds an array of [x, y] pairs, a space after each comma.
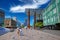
{"points": [[51, 14]]}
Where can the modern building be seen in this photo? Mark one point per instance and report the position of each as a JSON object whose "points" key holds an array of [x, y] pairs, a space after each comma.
{"points": [[9, 23], [25, 23], [51, 14], [28, 18], [2, 17], [18, 24], [37, 16]]}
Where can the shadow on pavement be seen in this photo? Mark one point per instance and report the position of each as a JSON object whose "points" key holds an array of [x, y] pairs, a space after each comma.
{"points": [[3, 31]]}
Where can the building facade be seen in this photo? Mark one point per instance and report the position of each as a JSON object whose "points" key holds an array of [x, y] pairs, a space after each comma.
{"points": [[36, 13], [51, 14], [39, 17], [10, 23], [2, 17], [18, 24]]}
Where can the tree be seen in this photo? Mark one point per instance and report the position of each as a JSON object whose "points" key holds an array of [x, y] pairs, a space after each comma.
{"points": [[22, 26], [39, 24]]}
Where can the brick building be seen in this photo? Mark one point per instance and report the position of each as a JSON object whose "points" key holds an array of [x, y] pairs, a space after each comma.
{"points": [[10, 23]]}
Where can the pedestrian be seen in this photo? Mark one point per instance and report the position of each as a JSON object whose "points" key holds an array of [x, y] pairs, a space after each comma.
{"points": [[21, 32], [18, 31]]}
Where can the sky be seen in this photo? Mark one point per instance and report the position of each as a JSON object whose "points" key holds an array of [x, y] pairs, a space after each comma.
{"points": [[16, 8]]}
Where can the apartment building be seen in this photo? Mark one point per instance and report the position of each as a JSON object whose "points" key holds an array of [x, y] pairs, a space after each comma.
{"points": [[2, 17], [51, 14]]}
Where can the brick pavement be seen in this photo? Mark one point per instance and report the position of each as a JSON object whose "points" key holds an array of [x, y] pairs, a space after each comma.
{"points": [[29, 35]]}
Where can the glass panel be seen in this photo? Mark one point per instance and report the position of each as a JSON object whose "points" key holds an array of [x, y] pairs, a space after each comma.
{"points": [[48, 20], [59, 8], [53, 5], [57, 1], [54, 10]]}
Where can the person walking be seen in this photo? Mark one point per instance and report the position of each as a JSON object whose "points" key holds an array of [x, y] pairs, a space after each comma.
{"points": [[18, 33], [21, 32]]}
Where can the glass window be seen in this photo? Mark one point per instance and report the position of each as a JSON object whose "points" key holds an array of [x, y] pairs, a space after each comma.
{"points": [[50, 13], [57, 1], [51, 19], [59, 17], [54, 18], [1, 20], [53, 5], [50, 7], [45, 17], [59, 7], [54, 10], [48, 20], [44, 22]]}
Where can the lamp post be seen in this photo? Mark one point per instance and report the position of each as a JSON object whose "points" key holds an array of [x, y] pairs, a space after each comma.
{"points": [[28, 19]]}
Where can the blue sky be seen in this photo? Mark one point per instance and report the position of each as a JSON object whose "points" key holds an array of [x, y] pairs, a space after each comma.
{"points": [[16, 8]]}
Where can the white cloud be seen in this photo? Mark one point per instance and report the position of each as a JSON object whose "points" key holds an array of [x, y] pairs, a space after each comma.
{"points": [[35, 4], [40, 2], [22, 8]]}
